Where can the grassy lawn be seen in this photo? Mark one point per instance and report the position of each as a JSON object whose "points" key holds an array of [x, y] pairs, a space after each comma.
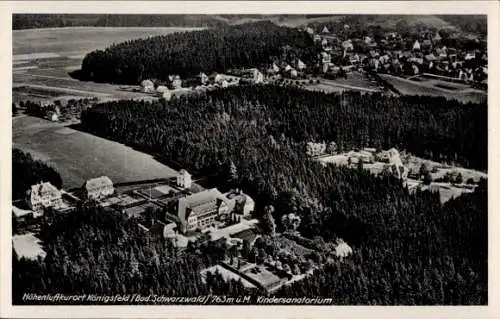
{"points": [[79, 156]]}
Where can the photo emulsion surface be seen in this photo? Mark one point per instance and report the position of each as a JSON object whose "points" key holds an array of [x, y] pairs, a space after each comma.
{"points": [[249, 160]]}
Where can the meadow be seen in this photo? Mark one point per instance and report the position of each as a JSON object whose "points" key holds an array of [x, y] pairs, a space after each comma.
{"points": [[433, 87], [79, 156], [44, 58]]}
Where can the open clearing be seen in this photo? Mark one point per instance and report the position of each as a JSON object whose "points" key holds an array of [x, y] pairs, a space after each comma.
{"points": [[43, 58], [434, 87], [79, 156]]}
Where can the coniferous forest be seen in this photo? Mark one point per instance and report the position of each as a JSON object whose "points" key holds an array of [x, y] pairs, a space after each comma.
{"points": [[218, 49], [409, 249], [27, 171]]}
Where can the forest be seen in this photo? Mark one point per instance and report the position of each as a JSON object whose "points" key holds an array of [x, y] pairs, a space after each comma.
{"points": [[27, 171], [189, 53], [409, 249], [31, 21]]}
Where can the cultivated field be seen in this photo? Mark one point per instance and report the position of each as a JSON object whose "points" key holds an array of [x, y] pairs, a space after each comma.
{"points": [[355, 81], [79, 156], [433, 87], [43, 59]]}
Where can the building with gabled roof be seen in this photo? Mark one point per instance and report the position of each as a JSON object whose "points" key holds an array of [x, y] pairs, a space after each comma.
{"points": [[201, 210], [97, 188], [184, 179], [43, 195]]}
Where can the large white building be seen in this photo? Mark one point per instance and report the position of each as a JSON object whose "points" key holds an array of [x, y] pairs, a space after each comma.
{"points": [[184, 179], [97, 188], [43, 195], [201, 210]]}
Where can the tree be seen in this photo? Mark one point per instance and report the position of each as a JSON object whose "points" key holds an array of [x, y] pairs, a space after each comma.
{"points": [[459, 179], [268, 220], [427, 178], [423, 170]]}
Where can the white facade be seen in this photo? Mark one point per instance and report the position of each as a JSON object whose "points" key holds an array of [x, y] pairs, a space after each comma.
{"points": [[99, 187], [42, 196], [184, 179]]}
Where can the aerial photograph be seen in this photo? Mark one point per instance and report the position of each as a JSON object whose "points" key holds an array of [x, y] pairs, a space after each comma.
{"points": [[237, 159]]}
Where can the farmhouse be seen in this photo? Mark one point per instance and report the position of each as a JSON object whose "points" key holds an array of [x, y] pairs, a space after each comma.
{"points": [[97, 188], [43, 195], [201, 210]]}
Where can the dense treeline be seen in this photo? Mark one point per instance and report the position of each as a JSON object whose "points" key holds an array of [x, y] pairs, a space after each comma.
{"points": [[187, 54], [27, 171], [30, 21], [418, 254], [431, 127]]}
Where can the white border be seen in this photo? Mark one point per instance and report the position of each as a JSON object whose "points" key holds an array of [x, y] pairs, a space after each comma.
{"points": [[491, 8]]}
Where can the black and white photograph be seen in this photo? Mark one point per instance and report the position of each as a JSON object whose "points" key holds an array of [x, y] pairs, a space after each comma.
{"points": [[249, 159]]}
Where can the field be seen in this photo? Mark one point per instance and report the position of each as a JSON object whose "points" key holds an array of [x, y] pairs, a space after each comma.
{"points": [[28, 246], [79, 156], [43, 59], [355, 81], [434, 87]]}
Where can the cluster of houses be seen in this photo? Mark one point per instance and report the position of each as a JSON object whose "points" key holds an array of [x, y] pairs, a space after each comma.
{"points": [[400, 56]]}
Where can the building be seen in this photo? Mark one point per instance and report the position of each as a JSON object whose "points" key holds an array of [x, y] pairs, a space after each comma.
{"points": [[416, 45], [147, 86], [201, 210], [184, 179], [176, 82], [97, 188], [43, 195], [258, 77]]}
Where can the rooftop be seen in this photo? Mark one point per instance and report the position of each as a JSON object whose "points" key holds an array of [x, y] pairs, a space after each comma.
{"points": [[98, 182]]}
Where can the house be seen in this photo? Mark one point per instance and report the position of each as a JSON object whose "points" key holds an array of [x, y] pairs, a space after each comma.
{"points": [[325, 30], [301, 65], [184, 179], [161, 89], [176, 82], [201, 210], [43, 195], [248, 235], [436, 38], [317, 38], [53, 117], [324, 42], [258, 77], [147, 86], [347, 45], [293, 73], [167, 95], [310, 31], [325, 57], [416, 46], [342, 249], [97, 188], [470, 56], [430, 57]]}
